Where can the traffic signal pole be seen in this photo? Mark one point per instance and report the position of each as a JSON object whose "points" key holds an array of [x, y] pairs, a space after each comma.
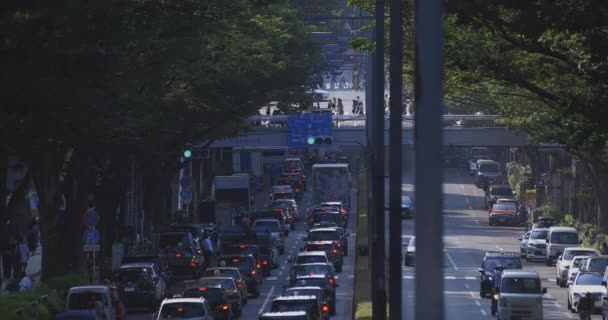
{"points": [[378, 254]]}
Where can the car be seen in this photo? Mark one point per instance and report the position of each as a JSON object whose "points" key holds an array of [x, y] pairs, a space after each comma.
{"points": [[520, 295], [330, 234], [276, 231], [407, 207], [472, 164], [536, 245], [319, 95], [326, 303], [577, 262], [233, 273], [543, 222], [311, 257], [233, 293], [492, 259], [185, 309], [84, 298], [292, 204], [335, 204], [289, 315], [565, 261], [317, 268], [309, 304], [503, 214], [141, 286], [410, 253], [247, 267], [595, 264], [289, 214], [215, 296], [324, 282], [586, 282], [249, 249], [558, 239], [183, 262], [507, 200], [524, 244], [330, 215], [488, 171], [495, 192], [331, 248]]}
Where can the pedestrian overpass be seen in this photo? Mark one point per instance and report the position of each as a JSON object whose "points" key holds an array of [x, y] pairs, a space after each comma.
{"points": [[458, 131]]}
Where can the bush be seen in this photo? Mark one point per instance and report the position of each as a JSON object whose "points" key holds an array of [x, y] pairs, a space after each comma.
{"points": [[63, 283], [549, 209]]}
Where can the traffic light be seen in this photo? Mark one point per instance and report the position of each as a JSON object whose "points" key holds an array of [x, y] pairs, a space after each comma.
{"points": [[320, 140], [188, 151]]}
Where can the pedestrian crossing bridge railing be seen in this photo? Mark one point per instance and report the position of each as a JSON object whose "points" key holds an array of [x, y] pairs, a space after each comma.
{"points": [[450, 121]]}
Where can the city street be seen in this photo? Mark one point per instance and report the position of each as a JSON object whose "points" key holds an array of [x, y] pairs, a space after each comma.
{"points": [[467, 236]]}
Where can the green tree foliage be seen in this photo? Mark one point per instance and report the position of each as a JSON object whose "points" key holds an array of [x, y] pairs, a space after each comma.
{"points": [[87, 86]]}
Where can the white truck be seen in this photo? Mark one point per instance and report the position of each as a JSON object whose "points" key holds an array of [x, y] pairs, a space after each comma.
{"points": [[331, 182], [232, 194]]}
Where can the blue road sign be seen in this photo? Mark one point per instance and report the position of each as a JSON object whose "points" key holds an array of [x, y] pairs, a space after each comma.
{"points": [[305, 125], [186, 195], [91, 237]]}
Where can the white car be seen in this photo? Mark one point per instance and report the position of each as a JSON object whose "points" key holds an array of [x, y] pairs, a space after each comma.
{"points": [[574, 269], [319, 95], [586, 282], [536, 244], [185, 309], [565, 261], [524, 244], [410, 252]]}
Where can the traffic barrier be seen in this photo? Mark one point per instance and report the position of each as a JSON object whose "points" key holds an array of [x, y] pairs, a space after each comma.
{"points": [[32, 309]]}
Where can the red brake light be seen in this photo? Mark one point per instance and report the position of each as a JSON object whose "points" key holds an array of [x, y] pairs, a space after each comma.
{"points": [[339, 245], [235, 260], [343, 212], [202, 289], [178, 255], [258, 265], [193, 264], [180, 309], [332, 281], [224, 307], [334, 252], [253, 272], [242, 246], [239, 284], [325, 308], [265, 262]]}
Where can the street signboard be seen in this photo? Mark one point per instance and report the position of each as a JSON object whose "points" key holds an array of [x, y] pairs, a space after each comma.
{"points": [[186, 181], [305, 125], [90, 218], [91, 236], [89, 248], [315, 18], [186, 195]]}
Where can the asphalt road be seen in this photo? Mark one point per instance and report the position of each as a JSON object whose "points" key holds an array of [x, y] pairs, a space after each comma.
{"points": [[467, 236], [276, 283]]}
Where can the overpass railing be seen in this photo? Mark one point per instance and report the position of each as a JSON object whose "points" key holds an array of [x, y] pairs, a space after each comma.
{"points": [[450, 121]]}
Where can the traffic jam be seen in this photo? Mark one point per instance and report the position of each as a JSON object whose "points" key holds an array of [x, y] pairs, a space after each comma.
{"points": [[202, 271]]}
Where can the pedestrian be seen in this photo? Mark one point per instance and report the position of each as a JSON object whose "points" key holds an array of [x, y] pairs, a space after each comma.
{"points": [[604, 248], [356, 80], [24, 254], [208, 249], [25, 283], [361, 107], [333, 81], [355, 104], [496, 286], [585, 306], [334, 104], [342, 82], [340, 107]]}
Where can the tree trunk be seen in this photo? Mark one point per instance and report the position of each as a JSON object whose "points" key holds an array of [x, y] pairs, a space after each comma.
{"points": [[599, 169]]}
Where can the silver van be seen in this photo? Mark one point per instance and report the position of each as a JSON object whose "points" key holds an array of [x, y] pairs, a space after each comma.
{"points": [[488, 172], [520, 295], [558, 239]]}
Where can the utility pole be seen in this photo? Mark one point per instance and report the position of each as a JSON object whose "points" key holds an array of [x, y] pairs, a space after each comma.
{"points": [[428, 167], [396, 157], [376, 111]]}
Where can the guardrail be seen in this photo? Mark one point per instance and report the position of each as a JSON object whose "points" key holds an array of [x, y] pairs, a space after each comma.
{"points": [[359, 121], [31, 312]]}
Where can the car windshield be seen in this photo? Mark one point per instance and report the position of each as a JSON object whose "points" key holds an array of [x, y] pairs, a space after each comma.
{"points": [[489, 168], [312, 282], [564, 237], [292, 305], [272, 226], [318, 247], [504, 206], [226, 284], [182, 310], [323, 236], [538, 234], [303, 292], [310, 259], [85, 300], [577, 262], [309, 270], [570, 254], [502, 192], [282, 195], [234, 274], [213, 295], [243, 264], [131, 275], [507, 263], [412, 242], [173, 240], [597, 265], [589, 279], [520, 285]]}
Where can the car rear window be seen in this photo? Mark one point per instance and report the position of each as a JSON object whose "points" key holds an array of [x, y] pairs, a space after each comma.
{"points": [[564, 238], [234, 274], [504, 206], [182, 310], [489, 167], [303, 292], [226, 284], [310, 259], [173, 240], [85, 300], [213, 295], [131, 275], [292, 305], [520, 285], [309, 270], [323, 236], [244, 264]]}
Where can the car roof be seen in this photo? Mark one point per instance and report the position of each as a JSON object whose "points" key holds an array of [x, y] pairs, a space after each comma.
{"points": [[312, 253], [137, 265], [323, 229], [562, 229], [101, 288], [183, 300], [519, 273], [487, 161], [305, 288], [266, 220], [540, 229], [598, 257], [502, 254], [311, 276], [320, 242], [580, 249], [284, 314], [287, 298]]}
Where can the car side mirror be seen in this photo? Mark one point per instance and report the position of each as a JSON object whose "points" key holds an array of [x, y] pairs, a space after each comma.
{"points": [[559, 257], [520, 238], [544, 290]]}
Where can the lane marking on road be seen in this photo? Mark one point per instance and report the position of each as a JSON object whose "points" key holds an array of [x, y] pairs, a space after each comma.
{"points": [[477, 302], [550, 279], [266, 301], [449, 278], [280, 273], [483, 312], [470, 278], [351, 276], [272, 278], [466, 285], [408, 277], [451, 260], [499, 248]]}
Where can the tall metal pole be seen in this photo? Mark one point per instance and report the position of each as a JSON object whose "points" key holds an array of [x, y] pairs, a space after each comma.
{"points": [[396, 157], [429, 172], [378, 254]]}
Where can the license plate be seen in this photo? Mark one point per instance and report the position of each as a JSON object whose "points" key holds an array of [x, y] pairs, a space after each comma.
{"points": [[129, 289], [501, 220]]}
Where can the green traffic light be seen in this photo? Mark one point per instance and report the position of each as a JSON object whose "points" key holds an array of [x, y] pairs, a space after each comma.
{"points": [[187, 153], [310, 140]]}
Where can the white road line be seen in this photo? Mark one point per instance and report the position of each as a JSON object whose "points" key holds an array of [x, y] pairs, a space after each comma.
{"points": [[408, 277], [351, 276], [449, 278], [499, 248], [483, 312], [271, 278], [477, 302], [266, 301], [451, 260], [466, 285], [470, 278]]}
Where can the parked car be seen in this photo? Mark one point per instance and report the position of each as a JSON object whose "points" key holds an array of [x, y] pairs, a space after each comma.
{"points": [[84, 298]]}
